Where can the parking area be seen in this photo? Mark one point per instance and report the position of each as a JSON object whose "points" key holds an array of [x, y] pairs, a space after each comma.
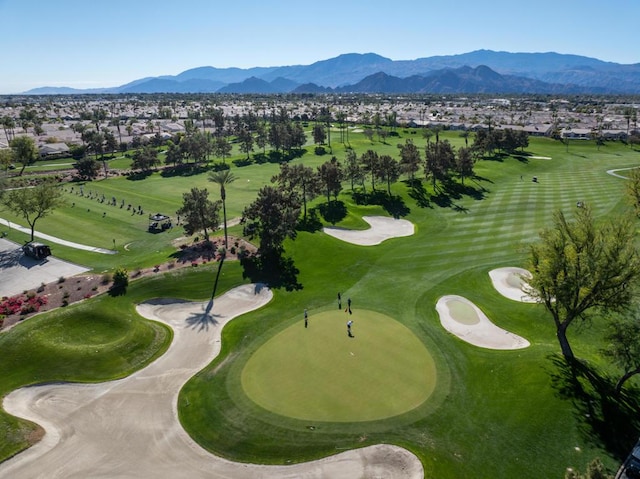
{"points": [[19, 272]]}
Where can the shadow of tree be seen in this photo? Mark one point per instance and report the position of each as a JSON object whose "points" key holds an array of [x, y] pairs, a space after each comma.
{"points": [[478, 178], [278, 156], [219, 166], [395, 206], [240, 162], [190, 169], [442, 199], [311, 223], [419, 193], [606, 419], [117, 290], [495, 156], [276, 271], [202, 321], [457, 190], [333, 211], [139, 175], [392, 204], [13, 257]]}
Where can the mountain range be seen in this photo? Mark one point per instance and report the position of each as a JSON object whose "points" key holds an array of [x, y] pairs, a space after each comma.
{"points": [[480, 71]]}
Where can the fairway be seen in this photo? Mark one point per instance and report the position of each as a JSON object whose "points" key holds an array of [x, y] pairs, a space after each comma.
{"points": [[280, 394], [319, 373]]}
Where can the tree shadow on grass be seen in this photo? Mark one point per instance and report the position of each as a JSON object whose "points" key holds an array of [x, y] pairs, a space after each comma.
{"points": [[441, 199], [476, 179], [240, 162], [119, 290], [457, 190], [187, 169], [311, 223], [495, 156], [522, 157], [276, 271], [139, 175], [392, 204], [278, 156], [605, 419], [419, 193], [333, 211]]}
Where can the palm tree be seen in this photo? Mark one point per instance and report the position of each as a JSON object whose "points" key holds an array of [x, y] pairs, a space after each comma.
{"points": [[223, 178], [8, 124]]}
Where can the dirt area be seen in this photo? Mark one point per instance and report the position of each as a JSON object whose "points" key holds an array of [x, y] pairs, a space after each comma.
{"points": [[67, 291]]}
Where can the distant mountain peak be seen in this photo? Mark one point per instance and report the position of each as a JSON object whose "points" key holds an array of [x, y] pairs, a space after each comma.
{"points": [[549, 72]]}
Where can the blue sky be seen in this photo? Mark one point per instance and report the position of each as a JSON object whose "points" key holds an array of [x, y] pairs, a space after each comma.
{"points": [[88, 43]]}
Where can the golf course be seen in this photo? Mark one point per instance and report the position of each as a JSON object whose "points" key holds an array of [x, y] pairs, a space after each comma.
{"points": [[246, 378]]}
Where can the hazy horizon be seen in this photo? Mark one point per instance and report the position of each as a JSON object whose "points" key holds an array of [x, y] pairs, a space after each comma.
{"points": [[79, 44]]}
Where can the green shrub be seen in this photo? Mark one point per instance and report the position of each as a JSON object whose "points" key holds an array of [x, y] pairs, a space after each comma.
{"points": [[120, 278]]}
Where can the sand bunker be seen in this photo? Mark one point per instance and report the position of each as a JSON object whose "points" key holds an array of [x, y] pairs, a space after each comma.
{"points": [[461, 317], [382, 228], [130, 428], [509, 283]]}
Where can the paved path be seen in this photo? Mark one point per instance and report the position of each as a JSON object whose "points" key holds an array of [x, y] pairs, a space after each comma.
{"points": [[19, 273], [53, 239], [129, 428]]}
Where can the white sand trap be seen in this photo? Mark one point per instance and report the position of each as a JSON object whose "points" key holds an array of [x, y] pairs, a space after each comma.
{"points": [[540, 157], [509, 283], [130, 428], [382, 228], [464, 319]]}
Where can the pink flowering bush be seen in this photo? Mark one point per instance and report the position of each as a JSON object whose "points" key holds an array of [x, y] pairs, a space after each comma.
{"points": [[23, 304], [10, 306]]}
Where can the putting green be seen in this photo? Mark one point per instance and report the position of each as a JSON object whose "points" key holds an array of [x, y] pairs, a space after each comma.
{"points": [[321, 374]]}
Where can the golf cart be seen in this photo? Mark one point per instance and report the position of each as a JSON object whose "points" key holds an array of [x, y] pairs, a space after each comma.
{"points": [[36, 250], [159, 222]]}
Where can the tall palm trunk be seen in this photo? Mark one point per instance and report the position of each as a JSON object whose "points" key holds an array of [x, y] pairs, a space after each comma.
{"points": [[223, 195]]}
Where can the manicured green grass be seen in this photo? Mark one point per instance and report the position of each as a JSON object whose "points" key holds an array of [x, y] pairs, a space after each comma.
{"points": [[93, 341], [319, 373], [492, 413]]}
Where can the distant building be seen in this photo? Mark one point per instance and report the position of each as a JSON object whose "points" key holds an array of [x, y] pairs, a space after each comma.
{"points": [[173, 127], [540, 129], [49, 149], [614, 134], [576, 133]]}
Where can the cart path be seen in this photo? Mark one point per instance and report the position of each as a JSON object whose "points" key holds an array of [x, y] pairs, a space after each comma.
{"points": [[53, 239], [130, 428]]}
